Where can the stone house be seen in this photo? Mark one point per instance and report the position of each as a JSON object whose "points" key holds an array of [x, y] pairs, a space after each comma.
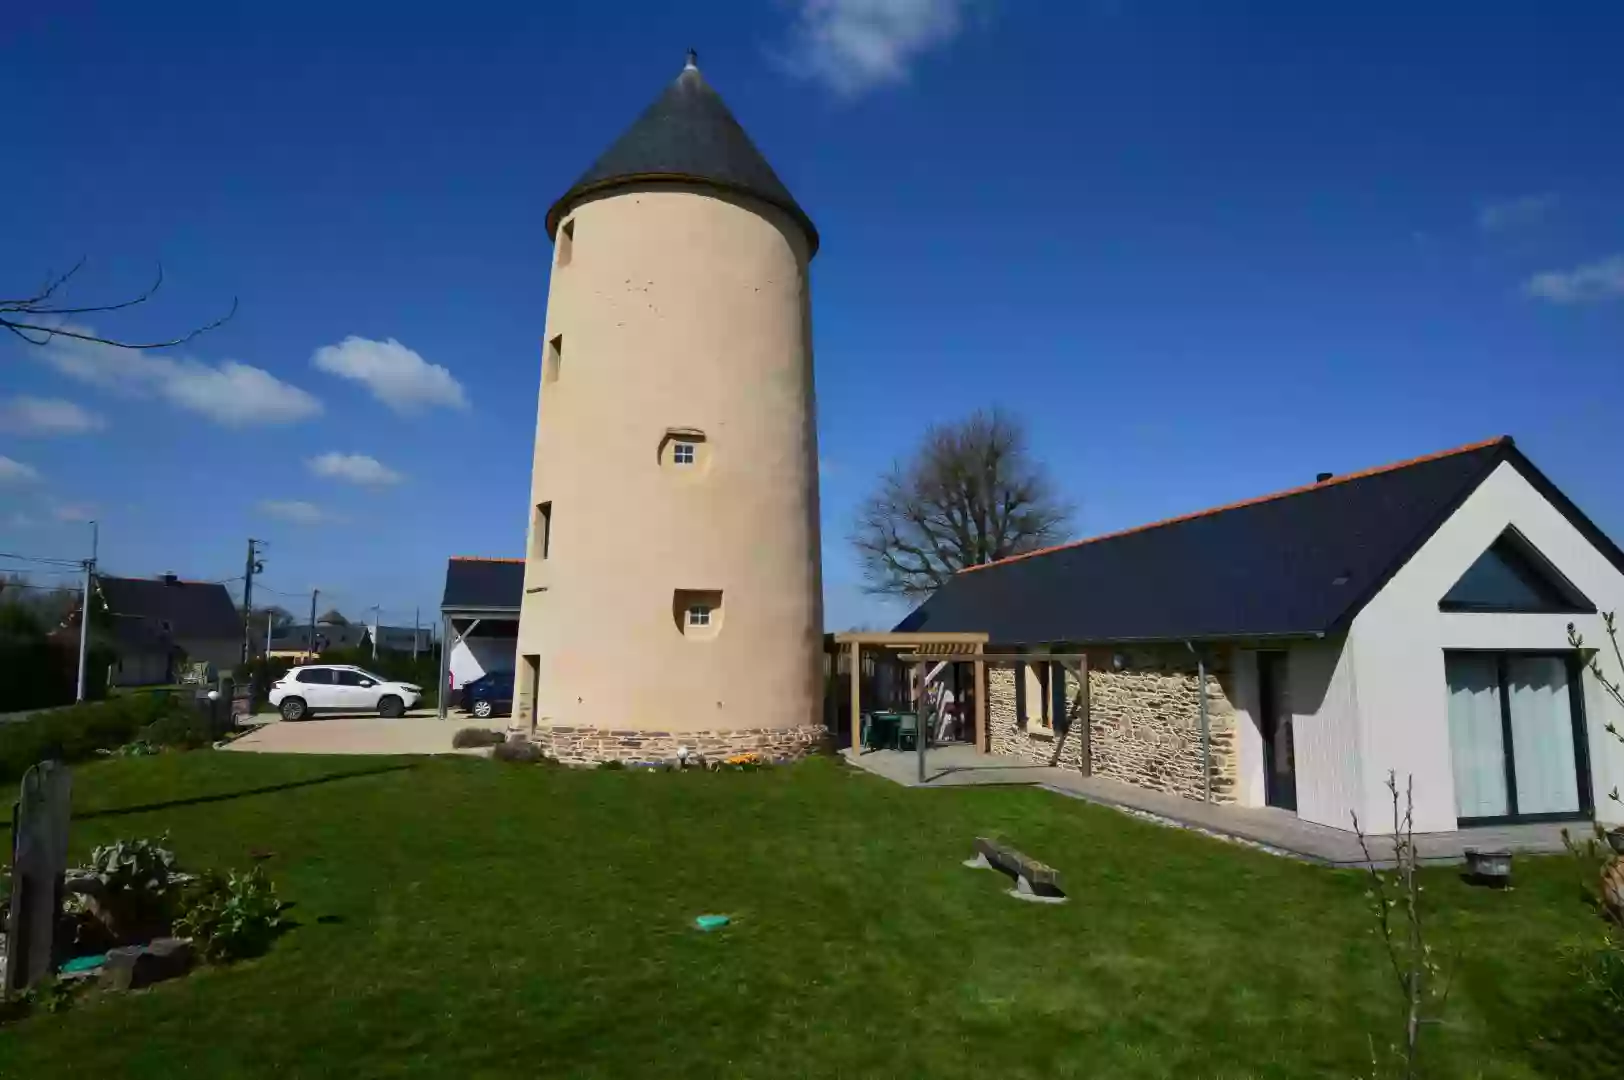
{"points": [[1290, 650]]}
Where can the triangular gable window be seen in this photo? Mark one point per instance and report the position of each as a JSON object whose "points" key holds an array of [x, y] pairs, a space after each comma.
{"points": [[1511, 576]]}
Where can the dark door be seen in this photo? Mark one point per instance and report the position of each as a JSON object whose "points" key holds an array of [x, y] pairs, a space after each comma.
{"points": [[1274, 723]]}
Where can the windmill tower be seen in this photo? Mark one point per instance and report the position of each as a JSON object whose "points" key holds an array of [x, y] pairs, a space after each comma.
{"points": [[672, 583]]}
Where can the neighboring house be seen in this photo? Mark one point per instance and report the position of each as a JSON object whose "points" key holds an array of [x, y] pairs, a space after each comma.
{"points": [[400, 638], [480, 612], [292, 642], [156, 624], [1410, 618]]}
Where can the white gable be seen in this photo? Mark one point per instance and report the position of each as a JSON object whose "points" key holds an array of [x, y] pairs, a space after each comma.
{"points": [[1398, 641]]}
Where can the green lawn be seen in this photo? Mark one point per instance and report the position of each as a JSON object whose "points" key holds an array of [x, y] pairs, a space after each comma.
{"points": [[460, 917]]}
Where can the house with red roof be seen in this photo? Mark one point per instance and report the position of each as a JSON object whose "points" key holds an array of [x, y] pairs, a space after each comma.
{"points": [[1291, 651]]}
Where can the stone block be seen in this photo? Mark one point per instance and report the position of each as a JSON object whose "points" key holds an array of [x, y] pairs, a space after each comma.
{"points": [[135, 966]]}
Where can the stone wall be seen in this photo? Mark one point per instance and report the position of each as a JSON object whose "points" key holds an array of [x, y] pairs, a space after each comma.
{"points": [[590, 745], [1144, 722]]}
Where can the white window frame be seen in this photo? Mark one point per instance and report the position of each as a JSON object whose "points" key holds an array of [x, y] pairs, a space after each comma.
{"points": [[699, 615], [684, 453]]}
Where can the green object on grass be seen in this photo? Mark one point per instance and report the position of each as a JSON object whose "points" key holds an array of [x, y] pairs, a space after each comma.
{"points": [[83, 963], [711, 922]]}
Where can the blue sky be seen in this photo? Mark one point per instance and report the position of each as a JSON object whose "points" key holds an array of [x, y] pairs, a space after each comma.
{"points": [[1205, 254]]}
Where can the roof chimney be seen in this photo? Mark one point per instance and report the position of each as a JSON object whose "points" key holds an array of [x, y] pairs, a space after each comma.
{"points": [[170, 578], [1320, 478]]}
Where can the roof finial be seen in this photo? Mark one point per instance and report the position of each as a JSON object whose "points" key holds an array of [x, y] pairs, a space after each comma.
{"points": [[693, 61]]}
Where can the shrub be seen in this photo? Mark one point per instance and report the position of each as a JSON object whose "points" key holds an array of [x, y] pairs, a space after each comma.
{"points": [[231, 917], [1600, 971], [476, 736], [520, 751], [185, 728], [135, 883], [79, 732]]}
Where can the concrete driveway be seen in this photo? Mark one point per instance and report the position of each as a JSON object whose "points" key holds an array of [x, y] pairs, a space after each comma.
{"points": [[418, 732]]}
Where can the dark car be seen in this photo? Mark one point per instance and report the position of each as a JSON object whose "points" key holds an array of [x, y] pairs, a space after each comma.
{"points": [[490, 694]]}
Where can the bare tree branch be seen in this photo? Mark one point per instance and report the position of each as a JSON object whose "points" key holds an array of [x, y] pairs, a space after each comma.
{"points": [[51, 285], [34, 315], [971, 494]]}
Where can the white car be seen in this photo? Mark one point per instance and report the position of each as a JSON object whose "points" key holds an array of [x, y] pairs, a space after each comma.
{"points": [[341, 688]]}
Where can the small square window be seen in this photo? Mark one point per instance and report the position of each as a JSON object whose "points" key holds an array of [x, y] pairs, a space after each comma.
{"points": [[683, 453], [697, 613]]}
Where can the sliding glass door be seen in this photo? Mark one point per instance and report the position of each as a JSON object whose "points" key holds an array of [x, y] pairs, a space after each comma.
{"points": [[1516, 736]]}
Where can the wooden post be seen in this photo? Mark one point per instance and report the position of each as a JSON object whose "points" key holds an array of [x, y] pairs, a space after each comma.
{"points": [[983, 733], [39, 850], [919, 714], [1086, 757], [856, 699]]}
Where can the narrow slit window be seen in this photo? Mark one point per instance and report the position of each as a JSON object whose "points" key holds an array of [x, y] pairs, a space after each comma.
{"points": [[544, 528], [554, 362], [566, 242]]}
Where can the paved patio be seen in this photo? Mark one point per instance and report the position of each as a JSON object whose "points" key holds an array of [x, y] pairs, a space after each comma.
{"points": [[1277, 831], [419, 732]]}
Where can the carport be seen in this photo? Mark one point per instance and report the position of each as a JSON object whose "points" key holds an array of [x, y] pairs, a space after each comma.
{"points": [[479, 619]]}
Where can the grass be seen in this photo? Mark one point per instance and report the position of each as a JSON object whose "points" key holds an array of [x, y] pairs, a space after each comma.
{"points": [[462, 918]]}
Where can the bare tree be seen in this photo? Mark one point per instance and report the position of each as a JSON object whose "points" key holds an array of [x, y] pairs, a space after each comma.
{"points": [[971, 494], [39, 317], [1614, 688], [1396, 902], [279, 615]]}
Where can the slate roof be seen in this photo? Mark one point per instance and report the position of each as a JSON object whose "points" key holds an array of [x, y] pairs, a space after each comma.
{"points": [[483, 584], [296, 637], [192, 609], [1297, 563], [688, 135]]}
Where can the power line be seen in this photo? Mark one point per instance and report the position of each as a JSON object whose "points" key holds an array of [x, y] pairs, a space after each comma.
{"points": [[39, 559]]}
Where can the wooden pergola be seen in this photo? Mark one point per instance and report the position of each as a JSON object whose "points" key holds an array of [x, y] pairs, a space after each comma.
{"points": [[939, 647]]}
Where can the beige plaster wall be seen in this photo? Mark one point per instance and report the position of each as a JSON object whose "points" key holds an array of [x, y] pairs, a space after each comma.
{"points": [[678, 309]]}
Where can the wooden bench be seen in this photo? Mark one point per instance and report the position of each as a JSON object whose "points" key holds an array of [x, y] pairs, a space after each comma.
{"points": [[1032, 878]]}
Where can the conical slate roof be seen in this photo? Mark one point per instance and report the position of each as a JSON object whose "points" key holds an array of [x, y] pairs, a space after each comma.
{"points": [[687, 136]]}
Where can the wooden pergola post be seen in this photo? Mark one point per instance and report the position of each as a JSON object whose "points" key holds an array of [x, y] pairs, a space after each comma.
{"points": [[982, 731], [856, 654]]}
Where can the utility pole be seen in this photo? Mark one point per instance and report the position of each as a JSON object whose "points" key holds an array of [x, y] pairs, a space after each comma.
{"points": [[312, 642], [417, 622], [376, 614], [254, 567], [267, 634], [84, 610]]}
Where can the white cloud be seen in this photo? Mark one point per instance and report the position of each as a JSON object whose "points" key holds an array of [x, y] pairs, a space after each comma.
{"points": [[857, 45], [1502, 215], [232, 394], [15, 472], [1600, 280], [72, 511], [354, 468], [396, 375], [300, 513], [46, 416], [238, 395]]}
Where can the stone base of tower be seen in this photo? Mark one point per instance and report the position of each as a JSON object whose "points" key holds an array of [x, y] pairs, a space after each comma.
{"points": [[591, 745]]}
